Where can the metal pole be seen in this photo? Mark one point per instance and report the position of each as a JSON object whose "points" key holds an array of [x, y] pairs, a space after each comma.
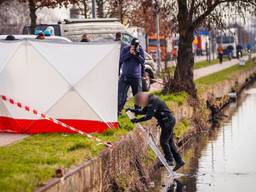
{"points": [[209, 47], [158, 36], [93, 8], [213, 42]]}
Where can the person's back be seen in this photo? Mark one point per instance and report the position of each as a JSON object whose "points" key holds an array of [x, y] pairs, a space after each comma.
{"points": [[159, 107], [220, 49]]}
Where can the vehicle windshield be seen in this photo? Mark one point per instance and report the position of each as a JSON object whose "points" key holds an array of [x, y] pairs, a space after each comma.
{"points": [[225, 39], [27, 29]]}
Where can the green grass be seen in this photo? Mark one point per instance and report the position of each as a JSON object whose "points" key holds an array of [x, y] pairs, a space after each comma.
{"points": [[33, 161], [221, 76], [181, 128], [202, 64], [179, 98]]}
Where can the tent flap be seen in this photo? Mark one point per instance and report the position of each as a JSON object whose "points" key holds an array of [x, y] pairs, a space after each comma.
{"points": [[75, 83]]}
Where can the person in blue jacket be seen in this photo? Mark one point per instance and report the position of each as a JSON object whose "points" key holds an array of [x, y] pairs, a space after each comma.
{"points": [[132, 70]]}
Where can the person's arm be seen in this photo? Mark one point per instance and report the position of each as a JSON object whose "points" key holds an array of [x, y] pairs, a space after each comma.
{"points": [[151, 108], [142, 69], [125, 54], [140, 56], [137, 111]]}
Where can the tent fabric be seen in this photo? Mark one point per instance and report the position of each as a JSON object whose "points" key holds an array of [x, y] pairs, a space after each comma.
{"points": [[75, 83]]}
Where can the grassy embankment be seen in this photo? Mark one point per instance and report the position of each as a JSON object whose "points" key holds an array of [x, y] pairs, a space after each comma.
{"points": [[202, 64], [220, 76], [33, 161]]}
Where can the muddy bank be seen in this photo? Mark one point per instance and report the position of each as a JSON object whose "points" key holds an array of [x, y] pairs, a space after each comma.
{"points": [[223, 159], [130, 165]]}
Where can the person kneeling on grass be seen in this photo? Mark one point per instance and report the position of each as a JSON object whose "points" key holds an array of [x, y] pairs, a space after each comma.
{"points": [[155, 107]]}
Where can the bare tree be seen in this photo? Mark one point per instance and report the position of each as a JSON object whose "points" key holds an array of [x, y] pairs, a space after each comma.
{"points": [[122, 9], [144, 15], [190, 15], [34, 5], [85, 8], [100, 8]]}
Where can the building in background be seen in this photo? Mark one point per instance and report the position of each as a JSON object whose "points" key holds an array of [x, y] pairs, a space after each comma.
{"points": [[152, 46]]}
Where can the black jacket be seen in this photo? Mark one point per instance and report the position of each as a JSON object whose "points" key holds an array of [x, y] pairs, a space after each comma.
{"points": [[155, 108]]}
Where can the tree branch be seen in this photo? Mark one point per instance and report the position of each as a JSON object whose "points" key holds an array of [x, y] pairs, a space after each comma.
{"points": [[210, 8]]}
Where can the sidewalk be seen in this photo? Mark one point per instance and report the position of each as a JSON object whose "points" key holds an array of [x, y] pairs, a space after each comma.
{"points": [[198, 73], [9, 138]]}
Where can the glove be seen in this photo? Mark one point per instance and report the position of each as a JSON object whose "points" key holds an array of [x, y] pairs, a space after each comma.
{"points": [[134, 120], [128, 109]]}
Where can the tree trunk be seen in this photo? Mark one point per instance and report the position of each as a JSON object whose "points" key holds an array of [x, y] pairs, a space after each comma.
{"points": [[100, 8], [33, 16], [84, 2], [183, 76]]}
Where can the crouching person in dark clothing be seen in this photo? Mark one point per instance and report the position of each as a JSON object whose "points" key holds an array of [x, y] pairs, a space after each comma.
{"points": [[155, 107]]}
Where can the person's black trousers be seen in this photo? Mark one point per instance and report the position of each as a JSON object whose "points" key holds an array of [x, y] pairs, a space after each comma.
{"points": [[167, 142], [220, 58], [123, 86]]}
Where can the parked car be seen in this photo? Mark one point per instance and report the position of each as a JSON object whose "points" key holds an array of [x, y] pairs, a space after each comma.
{"points": [[98, 30]]}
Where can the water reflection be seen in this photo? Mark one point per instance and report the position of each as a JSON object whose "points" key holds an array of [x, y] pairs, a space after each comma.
{"points": [[225, 160], [178, 186]]}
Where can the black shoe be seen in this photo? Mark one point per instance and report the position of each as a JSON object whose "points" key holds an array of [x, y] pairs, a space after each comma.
{"points": [[179, 165]]}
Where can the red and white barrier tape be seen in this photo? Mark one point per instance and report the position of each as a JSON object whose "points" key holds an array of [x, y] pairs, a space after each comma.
{"points": [[44, 116]]}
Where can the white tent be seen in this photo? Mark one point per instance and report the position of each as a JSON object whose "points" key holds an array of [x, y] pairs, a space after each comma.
{"points": [[75, 83]]}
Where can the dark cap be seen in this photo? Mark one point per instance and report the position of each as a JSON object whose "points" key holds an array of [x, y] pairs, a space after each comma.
{"points": [[135, 41]]}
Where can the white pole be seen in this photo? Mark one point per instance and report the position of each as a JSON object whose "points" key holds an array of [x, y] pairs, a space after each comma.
{"points": [[158, 36], [93, 8]]}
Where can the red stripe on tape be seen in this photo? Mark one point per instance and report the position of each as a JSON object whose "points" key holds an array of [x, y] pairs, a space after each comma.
{"points": [[43, 115], [4, 98], [19, 104], [27, 108]]}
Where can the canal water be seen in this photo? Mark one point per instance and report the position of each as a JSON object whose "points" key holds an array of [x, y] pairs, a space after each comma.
{"points": [[225, 160]]}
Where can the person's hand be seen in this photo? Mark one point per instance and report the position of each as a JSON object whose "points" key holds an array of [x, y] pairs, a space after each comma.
{"points": [[128, 109], [134, 120], [132, 51]]}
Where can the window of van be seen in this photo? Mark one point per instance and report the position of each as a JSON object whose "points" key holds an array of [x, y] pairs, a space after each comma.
{"points": [[225, 39], [126, 38]]}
